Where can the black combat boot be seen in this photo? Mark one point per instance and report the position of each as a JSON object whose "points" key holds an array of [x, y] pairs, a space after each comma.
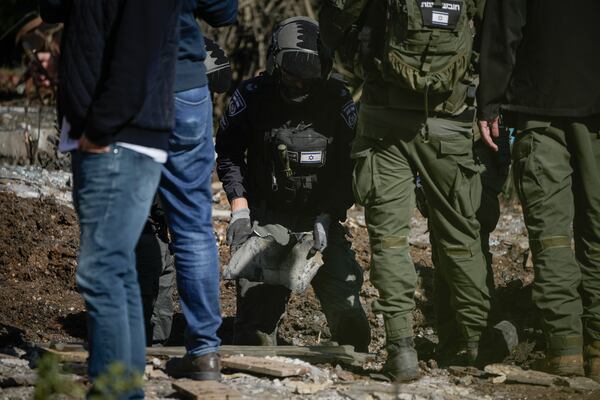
{"points": [[494, 346], [402, 364]]}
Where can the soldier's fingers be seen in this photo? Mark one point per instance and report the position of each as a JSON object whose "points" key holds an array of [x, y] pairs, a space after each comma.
{"points": [[495, 128], [487, 139], [43, 56]]}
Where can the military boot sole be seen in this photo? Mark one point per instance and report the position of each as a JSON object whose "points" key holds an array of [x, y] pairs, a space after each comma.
{"points": [[406, 376]]}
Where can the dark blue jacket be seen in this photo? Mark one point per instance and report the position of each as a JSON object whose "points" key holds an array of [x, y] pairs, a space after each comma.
{"points": [[191, 72], [117, 68]]}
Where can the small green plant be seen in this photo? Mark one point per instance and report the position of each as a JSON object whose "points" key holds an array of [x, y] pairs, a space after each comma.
{"points": [[115, 382], [51, 382]]}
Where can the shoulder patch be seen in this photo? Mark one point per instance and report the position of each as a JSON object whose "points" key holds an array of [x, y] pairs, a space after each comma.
{"points": [[349, 114], [224, 123], [344, 92], [251, 87], [237, 104]]}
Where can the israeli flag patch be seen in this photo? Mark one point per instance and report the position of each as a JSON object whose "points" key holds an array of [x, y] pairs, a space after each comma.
{"points": [[439, 18], [311, 157]]}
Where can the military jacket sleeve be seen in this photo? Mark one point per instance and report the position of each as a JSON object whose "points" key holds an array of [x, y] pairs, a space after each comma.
{"points": [[336, 17], [338, 195], [232, 141], [501, 34]]}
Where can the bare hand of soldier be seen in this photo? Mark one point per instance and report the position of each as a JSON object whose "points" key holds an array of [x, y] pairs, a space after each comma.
{"points": [[239, 229], [87, 146], [490, 130], [321, 231], [47, 62]]}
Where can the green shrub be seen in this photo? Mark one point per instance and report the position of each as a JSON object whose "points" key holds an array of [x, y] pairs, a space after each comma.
{"points": [[52, 383]]}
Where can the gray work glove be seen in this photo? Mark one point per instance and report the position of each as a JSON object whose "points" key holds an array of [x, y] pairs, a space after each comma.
{"points": [[239, 229], [320, 232]]}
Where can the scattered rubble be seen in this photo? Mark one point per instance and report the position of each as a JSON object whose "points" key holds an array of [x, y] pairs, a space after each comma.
{"points": [[39, 303]]}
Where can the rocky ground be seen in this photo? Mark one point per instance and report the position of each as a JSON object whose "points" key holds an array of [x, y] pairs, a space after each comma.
{"points": [[39, 304]]}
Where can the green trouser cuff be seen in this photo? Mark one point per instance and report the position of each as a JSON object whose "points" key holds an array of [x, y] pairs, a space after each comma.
{"points": [[398, 328], [473, 337], [564, 345], [538, 245]]}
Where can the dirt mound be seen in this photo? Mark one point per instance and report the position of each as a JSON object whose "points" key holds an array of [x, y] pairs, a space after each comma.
{"points": [[41, 239], [38, 250], [39, 300]]}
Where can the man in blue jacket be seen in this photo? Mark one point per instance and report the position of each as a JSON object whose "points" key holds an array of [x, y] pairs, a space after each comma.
{"points": [[185, 190], [116, 111]]}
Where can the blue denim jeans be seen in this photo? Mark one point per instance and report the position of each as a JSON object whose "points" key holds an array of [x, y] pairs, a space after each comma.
{"points": [[185, 189], [112, 193]]}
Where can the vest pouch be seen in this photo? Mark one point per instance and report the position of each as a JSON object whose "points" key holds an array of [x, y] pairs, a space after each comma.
{"points": [[296, 155], [305, 149], [427, 45]]}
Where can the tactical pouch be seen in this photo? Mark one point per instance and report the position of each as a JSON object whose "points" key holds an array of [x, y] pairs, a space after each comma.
{"points": [[296, 154], [427, 45], [305, 148]]}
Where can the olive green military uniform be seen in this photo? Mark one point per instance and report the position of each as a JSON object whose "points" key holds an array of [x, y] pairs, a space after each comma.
{"points": [[556, 165], [391, 147], [493, 178]]}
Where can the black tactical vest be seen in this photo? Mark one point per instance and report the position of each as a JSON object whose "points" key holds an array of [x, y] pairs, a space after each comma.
{"points": [[295, 155]]}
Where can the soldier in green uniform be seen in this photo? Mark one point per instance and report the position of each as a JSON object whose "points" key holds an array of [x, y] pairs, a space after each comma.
{"points": [[539, 64], [414, 119]]}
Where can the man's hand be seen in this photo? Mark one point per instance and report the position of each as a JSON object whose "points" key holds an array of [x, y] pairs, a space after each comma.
{"points": [[490, 130], [45, 76], [239, 229], [321, 231], [88, 147]]}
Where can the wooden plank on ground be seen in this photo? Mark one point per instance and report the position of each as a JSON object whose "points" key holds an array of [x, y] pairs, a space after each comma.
{"points": [[516, 374], [76, 356], [344, 355], [263, 366], [529, 377], [205, 390]]}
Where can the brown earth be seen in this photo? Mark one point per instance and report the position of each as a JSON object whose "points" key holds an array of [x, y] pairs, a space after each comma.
{"points": [[39, 301]]}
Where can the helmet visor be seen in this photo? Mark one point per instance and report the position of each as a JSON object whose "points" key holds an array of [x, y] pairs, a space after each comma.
{"points": [[297, 88]]}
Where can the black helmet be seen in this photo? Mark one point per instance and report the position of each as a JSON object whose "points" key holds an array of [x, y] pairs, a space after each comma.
{"points": [[218, 70], [297, 58]]}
